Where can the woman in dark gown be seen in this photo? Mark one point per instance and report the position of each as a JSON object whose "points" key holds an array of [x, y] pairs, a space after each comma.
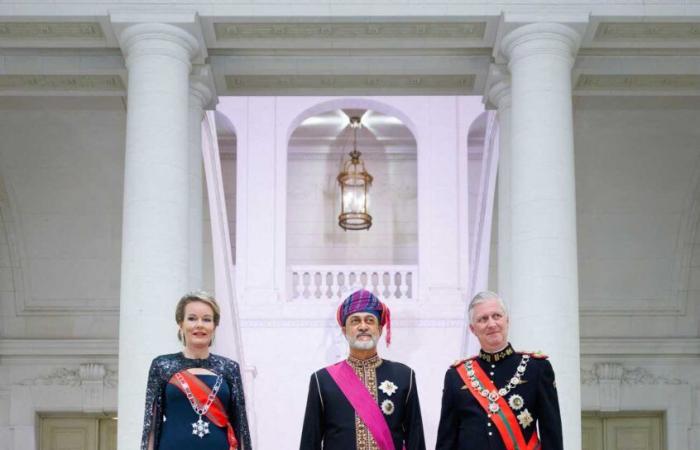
{"points": [[194, 399]]}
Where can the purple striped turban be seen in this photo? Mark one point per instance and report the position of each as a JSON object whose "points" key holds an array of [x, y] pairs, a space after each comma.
{"points": [[364, 301]]}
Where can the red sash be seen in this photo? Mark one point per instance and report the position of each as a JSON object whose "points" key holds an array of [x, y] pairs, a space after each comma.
{"points": [[504, 419], [217, 412]]}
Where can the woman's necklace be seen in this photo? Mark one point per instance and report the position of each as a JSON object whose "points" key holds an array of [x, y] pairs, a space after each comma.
{"points": [[200, 427]]}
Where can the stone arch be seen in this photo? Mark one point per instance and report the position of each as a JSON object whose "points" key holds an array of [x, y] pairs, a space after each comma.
{"points": [[353, 102]]}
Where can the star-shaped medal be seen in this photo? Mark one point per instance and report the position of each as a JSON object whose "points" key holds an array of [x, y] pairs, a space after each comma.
{"points": [[525, 418], [388, 387]]}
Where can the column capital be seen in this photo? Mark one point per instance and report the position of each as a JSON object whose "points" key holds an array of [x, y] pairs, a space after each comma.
{"points": [[498, 87], [153, 38], [539, 38], [202, 88]]}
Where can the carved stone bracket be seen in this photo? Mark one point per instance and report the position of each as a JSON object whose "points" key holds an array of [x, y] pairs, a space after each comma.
{"points": [[610, 380], [92, 383]]}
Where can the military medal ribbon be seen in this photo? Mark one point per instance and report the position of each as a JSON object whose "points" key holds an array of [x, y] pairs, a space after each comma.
{"points": [[496, 408]]}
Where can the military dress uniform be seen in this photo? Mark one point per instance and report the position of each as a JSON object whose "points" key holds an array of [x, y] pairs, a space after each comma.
{"points": [[331, 423], [524, 384]]}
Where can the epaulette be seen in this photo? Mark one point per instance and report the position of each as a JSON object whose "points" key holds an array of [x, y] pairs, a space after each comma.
{"points": [[459, 362], [537, 355]]}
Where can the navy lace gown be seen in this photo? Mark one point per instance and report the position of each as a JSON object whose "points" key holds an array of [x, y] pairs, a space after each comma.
{"points": [[157, 413], [179, 416]]}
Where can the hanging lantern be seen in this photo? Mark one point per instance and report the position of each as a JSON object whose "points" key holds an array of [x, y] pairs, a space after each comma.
{"points": [[354, 188]]}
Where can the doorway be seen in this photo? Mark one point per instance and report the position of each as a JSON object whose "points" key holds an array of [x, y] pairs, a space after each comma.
{"points": [[623, 431], [77, 432]]}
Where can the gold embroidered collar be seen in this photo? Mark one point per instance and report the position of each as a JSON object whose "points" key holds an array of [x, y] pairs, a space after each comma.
{"points": [[369, 363], [498, 356]]}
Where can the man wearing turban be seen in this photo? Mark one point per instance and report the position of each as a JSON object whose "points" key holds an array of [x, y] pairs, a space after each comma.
{"points": [[364, 402]]}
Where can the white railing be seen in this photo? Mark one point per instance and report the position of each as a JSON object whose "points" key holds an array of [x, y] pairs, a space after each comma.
{"points": [[335, 282]]}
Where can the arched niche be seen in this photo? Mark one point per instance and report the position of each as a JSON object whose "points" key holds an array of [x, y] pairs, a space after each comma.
{"points": [[316, 151]]}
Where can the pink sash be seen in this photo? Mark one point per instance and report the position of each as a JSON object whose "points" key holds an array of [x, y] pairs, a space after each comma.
{"points": [[365, 406]]}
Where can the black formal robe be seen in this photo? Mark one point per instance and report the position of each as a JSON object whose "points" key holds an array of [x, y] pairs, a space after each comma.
{"points": [[464, 425], [330, 421]]}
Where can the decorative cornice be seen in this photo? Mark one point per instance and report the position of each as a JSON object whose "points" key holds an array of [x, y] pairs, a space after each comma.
{"points": [[647, 31], [641, 51], [33, 348], [50, 30], [67, 83], [647, 83], [85, 374], [350, 30], [613, 372], [58, 377], [641, 347], [425, 84]]}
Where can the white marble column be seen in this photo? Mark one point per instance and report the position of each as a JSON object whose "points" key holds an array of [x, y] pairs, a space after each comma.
{"points": [[156, 217], [200, 97], [544, 275], [500, 96]]}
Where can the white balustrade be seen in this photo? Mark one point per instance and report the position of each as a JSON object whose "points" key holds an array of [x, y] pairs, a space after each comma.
{"points": [[335, 282]]}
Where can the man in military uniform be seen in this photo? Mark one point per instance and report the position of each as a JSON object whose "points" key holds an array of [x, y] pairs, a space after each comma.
{"points": [[364, 402], [499, 398]]}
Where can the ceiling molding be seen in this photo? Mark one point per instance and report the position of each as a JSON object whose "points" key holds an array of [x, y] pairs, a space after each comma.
{"points": [[641, 51], [341, 51], [367, 84], [641, 347], [647, 31], [62, 83], [638, 84], [50, 30], [237, 32], [58, 347]]}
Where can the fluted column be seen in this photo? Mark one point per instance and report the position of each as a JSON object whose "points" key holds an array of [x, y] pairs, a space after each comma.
{"points": [[499, 94], [156, 218], [544, 274], [200, 97]]}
